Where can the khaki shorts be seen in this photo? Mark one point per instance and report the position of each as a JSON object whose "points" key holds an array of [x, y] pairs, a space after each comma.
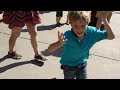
{"points": [[109, 16]]}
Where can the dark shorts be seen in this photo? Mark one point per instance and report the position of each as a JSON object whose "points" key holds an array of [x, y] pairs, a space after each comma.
{"points": [[59, 13]]}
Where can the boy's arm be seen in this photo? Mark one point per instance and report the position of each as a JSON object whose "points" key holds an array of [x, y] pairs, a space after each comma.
{"points": [[110, 34], [54, 46], [58, 44]]}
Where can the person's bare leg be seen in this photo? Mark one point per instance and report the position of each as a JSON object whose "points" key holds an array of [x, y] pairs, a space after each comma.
{"points": [[109, 16], [33, 37], [15, 32], [98, 24], [58, 20], [33, 33]]}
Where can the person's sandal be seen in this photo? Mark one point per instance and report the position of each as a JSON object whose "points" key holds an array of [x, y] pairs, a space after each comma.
{"points": [[14, 55], [39, 57]]}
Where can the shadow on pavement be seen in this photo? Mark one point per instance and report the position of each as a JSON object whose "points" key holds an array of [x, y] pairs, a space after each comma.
{"points": [[47, 27], [41, 28], [13, 65], [42, 12], [57, 53], [4, 58]]}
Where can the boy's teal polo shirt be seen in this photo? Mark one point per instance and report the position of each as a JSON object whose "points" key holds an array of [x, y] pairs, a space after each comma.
{"points": [[77, 51]]}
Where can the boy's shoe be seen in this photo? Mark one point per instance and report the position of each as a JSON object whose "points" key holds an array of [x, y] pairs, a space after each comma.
{"points": [[39, 57], [14, 55]]}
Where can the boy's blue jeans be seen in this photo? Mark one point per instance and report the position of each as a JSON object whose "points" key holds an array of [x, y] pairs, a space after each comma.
{"points": [[78, 72]]}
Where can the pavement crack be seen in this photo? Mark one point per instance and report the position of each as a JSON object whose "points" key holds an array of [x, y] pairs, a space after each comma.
{"points": [[105, 57]]}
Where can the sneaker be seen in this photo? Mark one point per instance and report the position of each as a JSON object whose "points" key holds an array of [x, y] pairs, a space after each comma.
{"points": [[41, 57], [14, 55]]}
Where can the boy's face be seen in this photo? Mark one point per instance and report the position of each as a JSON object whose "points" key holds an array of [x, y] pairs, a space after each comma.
{"points": [[79, 27]]}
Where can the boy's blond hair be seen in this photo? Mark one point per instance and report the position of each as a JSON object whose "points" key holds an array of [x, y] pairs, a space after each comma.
{"points": [[80, 15]]}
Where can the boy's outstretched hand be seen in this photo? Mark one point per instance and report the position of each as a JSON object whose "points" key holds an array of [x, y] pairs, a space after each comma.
{"points": [[61, 38], [59, 43]]}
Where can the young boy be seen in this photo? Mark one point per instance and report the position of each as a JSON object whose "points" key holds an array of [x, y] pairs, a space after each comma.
{"points": [[78, 41]]}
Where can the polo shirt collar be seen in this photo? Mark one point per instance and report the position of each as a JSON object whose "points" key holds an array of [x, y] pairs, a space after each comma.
{"points": [[76, 38]]}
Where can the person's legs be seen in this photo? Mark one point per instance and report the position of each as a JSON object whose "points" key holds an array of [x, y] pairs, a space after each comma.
{"points": [[109, 16], [82, 72], [59, 15], [69, 72], [15, 32], [93, 19], [33, 34], [58, 20], [67, 22], [108, 19], [98, 24]]}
